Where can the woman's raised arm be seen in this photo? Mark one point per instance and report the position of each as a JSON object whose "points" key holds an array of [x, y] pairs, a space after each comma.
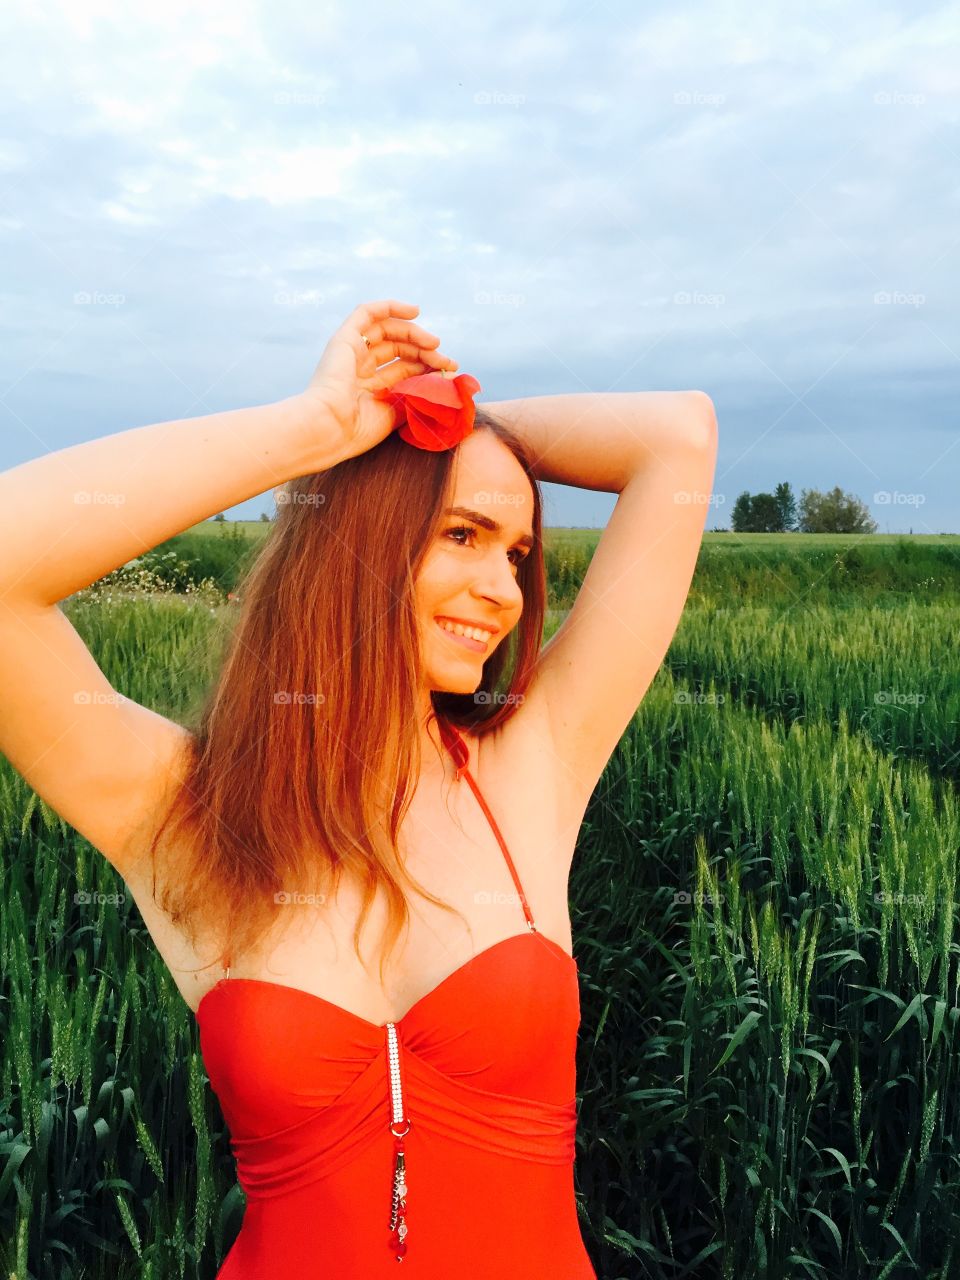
{"points": [[70, 517], [99, 759]]}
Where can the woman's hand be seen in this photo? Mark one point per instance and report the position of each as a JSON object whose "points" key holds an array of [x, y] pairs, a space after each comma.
{"points": [[340, 393]]}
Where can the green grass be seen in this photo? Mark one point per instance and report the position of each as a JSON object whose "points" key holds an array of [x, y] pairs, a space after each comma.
{"points": [[588, 536], [764, 901], [796, 569]]}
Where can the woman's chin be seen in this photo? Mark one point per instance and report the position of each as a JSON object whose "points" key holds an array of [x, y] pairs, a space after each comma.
{"points": [[454, 682]]}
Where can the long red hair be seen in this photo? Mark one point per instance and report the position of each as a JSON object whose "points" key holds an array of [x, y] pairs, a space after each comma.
{"points": [[316, 702]]}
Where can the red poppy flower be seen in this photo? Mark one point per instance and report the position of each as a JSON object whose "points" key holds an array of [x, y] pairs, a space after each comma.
{"points": [[433, 412]]}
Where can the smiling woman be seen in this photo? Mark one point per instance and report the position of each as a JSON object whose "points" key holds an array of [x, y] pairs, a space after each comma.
{"points": [[366, 734], [316, 749], [387, 647]]}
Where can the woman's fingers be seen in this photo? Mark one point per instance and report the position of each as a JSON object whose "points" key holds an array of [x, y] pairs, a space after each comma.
{"points": [[393, 337], [384, 351], [370, 317], [369, 312], [390, 374], [401, 331]]}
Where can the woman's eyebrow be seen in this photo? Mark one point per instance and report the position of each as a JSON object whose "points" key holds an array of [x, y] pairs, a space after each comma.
{"points": [[485, 522]]}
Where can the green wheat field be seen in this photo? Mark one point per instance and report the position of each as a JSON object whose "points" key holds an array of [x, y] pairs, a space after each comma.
{"points": [[764, 906]]}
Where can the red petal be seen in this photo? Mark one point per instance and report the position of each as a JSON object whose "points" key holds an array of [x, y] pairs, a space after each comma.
{"points": [[466, 384], [433, 412], [449, 415], [424, 433], [429, 386]]}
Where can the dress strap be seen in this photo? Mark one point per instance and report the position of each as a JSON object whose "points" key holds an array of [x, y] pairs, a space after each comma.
{"points": [[461, 755]]}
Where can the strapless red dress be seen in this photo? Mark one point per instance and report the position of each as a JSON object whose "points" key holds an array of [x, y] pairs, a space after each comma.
{"points": [[443, 1141]]}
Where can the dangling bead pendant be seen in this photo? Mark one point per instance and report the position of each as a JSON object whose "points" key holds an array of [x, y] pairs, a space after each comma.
{"points": [[398, 1208], [399, 1128]]}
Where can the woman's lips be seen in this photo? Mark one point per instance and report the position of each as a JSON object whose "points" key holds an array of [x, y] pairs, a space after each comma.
{"points": [[476, 645]]}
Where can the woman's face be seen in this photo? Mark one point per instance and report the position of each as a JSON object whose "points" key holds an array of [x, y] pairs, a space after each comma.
{"points": [[470, 572]]}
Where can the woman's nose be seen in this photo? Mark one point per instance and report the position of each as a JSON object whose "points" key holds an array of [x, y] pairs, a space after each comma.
{"points": [[501, 585]]}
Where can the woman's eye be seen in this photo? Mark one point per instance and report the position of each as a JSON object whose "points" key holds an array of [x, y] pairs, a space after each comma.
{"points": [[451, 533], [462, 529]]}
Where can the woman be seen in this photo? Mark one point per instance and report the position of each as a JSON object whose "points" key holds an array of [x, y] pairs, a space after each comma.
{"points": [[324, 778]]}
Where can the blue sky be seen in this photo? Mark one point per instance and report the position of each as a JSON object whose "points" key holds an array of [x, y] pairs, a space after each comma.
{"points": [[758, 202]]}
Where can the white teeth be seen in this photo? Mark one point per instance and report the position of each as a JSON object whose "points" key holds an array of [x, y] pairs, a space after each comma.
{"points": [[474, 633]]}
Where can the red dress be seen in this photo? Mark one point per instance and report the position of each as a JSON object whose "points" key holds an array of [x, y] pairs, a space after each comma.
{"points": [[474, 1088]]}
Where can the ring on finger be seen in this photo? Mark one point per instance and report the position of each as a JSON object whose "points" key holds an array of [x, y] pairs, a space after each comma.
{"points": [[367, 341]]}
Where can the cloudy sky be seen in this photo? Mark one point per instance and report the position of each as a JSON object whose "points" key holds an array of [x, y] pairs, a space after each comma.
{"points": [[756, 201]]}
